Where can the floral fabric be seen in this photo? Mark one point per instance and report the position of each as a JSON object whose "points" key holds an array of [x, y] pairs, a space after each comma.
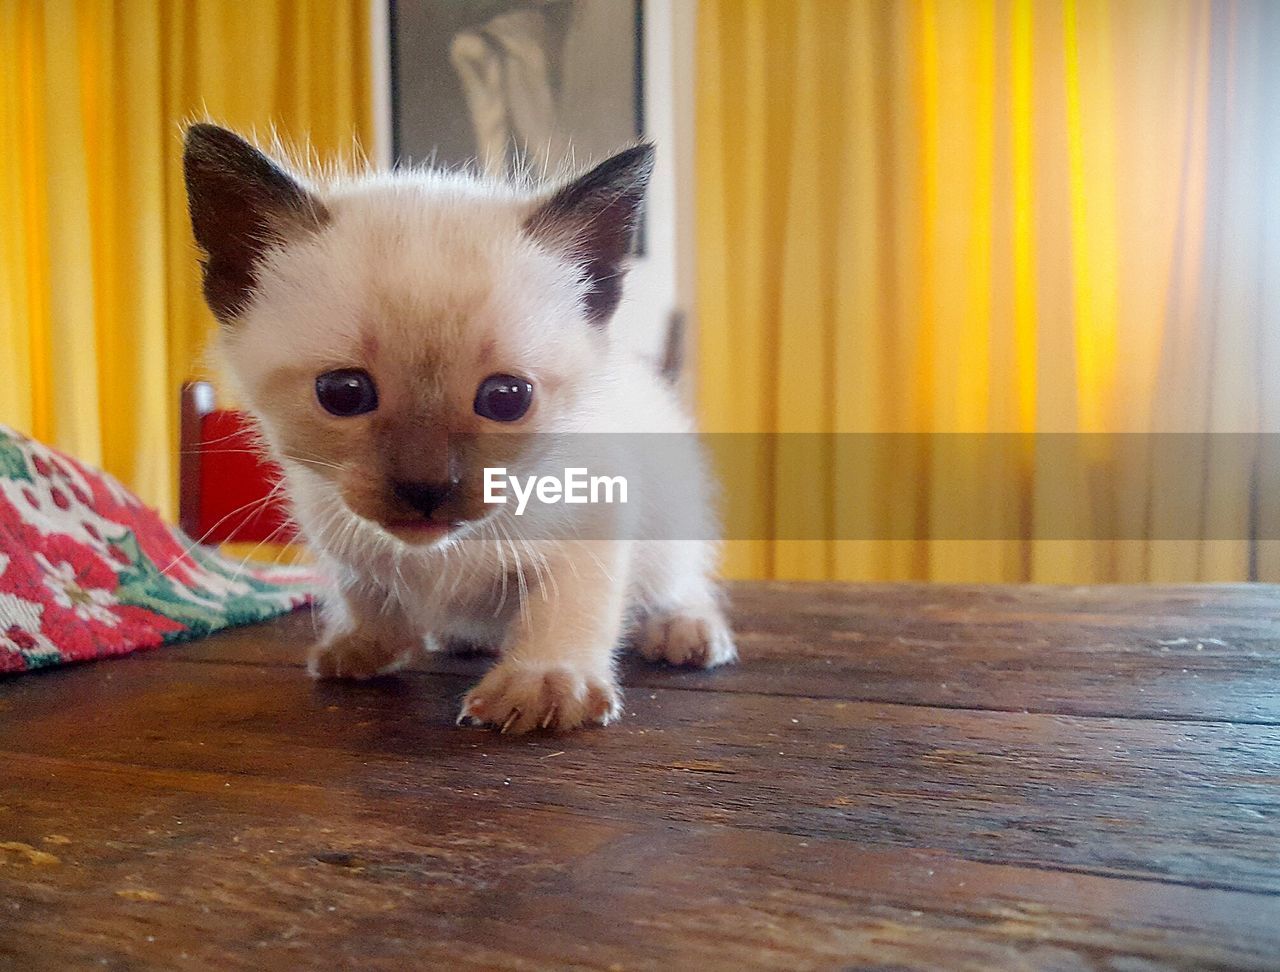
{"points": [[87, 571]]}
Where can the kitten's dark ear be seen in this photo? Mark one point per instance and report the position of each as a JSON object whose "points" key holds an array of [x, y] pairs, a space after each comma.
{"points": [[241, 205], [593, 218]]}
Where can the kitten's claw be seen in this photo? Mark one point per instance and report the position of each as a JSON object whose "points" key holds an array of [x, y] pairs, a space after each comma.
{"points": [[516, 698], [699, 638]]}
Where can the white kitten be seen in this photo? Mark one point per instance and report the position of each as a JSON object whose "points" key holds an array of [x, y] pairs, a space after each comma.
{"points": [[398, 334]]}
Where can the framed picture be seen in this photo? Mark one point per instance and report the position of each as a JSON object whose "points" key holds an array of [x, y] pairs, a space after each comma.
{"points": [[498, 84]]}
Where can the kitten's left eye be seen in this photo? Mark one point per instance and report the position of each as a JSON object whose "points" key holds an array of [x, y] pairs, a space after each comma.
{"points": [[503, 398], [347, 392]]}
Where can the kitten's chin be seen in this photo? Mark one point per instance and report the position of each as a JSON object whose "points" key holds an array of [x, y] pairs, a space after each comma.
{"points": [[420, 533]]}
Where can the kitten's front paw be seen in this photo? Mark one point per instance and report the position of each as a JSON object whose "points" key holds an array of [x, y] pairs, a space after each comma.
{"points": [[698, 638], [517, 698], [356, 656]]}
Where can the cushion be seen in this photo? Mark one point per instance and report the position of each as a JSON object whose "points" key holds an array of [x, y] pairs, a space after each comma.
{"points": [[88, 571]]}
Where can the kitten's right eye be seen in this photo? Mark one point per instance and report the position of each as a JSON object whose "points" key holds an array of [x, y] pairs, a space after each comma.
{"points": [[347, 392]]}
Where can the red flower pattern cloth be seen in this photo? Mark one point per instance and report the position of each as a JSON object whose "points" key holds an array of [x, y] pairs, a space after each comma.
{"points": [[87, 571]]}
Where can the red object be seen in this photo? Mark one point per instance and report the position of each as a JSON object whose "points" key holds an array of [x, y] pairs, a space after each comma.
{"points": [[226, 491]]}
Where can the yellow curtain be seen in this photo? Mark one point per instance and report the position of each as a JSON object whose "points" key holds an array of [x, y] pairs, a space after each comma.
{"points": [[985, 216], [100, 313]]}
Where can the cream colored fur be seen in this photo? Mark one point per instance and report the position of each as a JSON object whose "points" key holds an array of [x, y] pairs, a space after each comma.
{"points": [[419, 275]]}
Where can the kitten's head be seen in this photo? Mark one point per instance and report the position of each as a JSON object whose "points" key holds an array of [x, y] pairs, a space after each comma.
{"points": [[377, 328]]}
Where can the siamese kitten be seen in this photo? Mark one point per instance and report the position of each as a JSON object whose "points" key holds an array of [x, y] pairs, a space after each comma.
{"points": [[396, 335]]}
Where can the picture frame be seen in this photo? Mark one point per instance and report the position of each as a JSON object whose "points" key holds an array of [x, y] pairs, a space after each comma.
{"points": [[504, 85]]}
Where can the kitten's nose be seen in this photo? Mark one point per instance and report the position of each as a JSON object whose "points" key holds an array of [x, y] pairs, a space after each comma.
{"points": [[426, 498]]}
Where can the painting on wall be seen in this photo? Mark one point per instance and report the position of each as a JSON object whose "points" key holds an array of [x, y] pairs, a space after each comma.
{"points": [[498, 84]]}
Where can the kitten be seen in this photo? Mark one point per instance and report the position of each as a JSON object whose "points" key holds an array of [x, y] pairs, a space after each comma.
{"points": [[389, 334]]}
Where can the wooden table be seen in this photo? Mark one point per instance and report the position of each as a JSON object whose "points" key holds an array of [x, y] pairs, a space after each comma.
{"points": [[904, 776]]}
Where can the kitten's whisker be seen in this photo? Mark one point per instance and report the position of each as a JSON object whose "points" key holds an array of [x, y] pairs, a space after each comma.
{"points": [[321, 463], [539, 562], [248, 451], [310, 455], [238, 433], [502, 558], [249, 509], [399, 579], [269, 538], [598, 562], [522, 585]]}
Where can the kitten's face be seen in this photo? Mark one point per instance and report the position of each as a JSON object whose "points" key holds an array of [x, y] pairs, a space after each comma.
{"points": [[391, 366], [391, 336]]}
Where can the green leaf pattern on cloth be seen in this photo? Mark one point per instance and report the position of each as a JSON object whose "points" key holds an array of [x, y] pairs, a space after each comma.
{"points": [[13, 462]]}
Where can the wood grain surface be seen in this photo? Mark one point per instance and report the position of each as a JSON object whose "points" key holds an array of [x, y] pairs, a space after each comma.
{"points": [[894, 776]]}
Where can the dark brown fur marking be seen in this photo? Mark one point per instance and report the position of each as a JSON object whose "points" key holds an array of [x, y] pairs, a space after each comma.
{"points": [[241, 204], [593, 218]]}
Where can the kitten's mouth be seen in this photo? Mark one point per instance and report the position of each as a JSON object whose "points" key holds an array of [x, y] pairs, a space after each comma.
{"points": [[419, 531]]}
